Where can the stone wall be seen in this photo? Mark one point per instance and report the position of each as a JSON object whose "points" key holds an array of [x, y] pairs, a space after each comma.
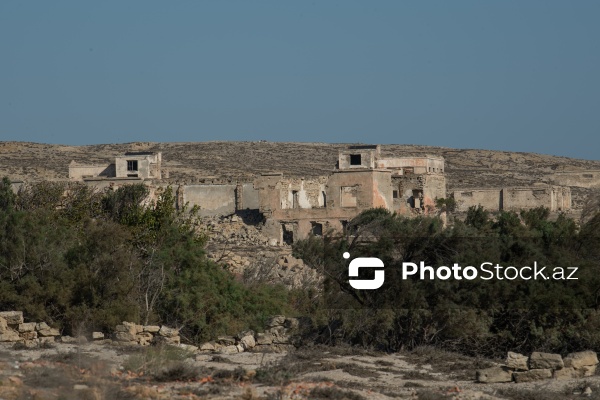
{"points": [[586, 179], [211, 199], [555, 198]]}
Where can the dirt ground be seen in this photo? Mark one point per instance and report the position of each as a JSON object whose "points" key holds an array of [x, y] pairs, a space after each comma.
{"points": [[107, 371]]}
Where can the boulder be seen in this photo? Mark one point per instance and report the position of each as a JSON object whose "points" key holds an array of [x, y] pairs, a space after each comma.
{"points": [[3, 325], [12, 317], [516, 361], [228, 349], [48, 339], [545, 360], [133, 328], [588, 370], [581, 359], [248, 342], [494, 375], [97, 336], [240, 348], [532, 375], [29, 335], [188, 347], [41, 326]]}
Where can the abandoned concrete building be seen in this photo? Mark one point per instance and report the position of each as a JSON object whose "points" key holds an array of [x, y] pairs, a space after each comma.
{"points": [[292, 208]]}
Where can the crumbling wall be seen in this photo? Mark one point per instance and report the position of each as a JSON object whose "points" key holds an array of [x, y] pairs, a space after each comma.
{"points": [[212, 200], [586, 179], [78, 172], [490, 199]]}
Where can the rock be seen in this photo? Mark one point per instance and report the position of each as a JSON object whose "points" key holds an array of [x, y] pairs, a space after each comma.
{"points": [[49, 332], [10, 336], [97, 336], [516, 361], [581, 359], [41, 326], [228, 349], [273, 242], [132, 328], [158, 340], [545, 360], [494, 375], [240, 348], [3, 325], [151, 328], [12, 317], [121, 328], [29, 335], [124, 336], [587, 392], [168, 332], [264, 338], [248, 342], [27, 327], [208, 346], [588, 370], [532, 375], [188, 347], [277, 320], [226, 340], [31, 344], [566, 373], [80, 387]]}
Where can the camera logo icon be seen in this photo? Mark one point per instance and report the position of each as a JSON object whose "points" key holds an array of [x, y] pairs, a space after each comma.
{"points": [[365, 262]]}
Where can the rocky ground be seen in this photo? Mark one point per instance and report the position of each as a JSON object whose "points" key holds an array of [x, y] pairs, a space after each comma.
{"points": [[110, 371]]}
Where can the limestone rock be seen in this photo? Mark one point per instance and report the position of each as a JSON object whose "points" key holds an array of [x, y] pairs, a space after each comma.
{"points": [[494, 375], [49, 332], [10, 336], [545, 360], [566, 373], [3, 325], [27, 327], [12, 317], [151, 328], [588, 370], [532, 375], [188, 347], [168, 332], [29, 335], [240, 348], [264, 338], [516, 361], [40, 326], [231, 349], [248, 342], [581, 359], [97, 336], [124, 336], [48, 339], [208, 346]]}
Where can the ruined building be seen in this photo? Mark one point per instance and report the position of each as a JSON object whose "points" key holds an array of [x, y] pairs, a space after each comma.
{"points": [[293, 208]]}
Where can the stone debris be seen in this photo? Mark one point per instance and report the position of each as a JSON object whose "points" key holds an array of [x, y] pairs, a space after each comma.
{"points": [[539, 366]]}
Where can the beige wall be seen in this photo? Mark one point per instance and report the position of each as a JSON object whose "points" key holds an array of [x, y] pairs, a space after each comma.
{"points": [[80, 171], [213, 200], [556, 198], [586, 179]]}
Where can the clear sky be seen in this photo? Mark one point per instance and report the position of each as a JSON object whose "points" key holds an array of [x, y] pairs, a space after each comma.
{"points": [[517, 75]]}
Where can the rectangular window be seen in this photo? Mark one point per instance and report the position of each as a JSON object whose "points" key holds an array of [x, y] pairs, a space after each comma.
{"points": [[395, 194], [317, 229], [355, 159], [132, 165]]}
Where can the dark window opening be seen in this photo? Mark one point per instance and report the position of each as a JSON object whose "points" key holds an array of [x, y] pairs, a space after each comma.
{"points": [[132, 175], [344, 227], [288, 236], [317, 229], [395, 194], [355, 159], [132, 165], [324, 199], [294, 199], [588, 175]]}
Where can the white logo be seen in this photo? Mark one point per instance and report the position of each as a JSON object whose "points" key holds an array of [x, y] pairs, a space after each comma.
{"points": [[365, 262]]}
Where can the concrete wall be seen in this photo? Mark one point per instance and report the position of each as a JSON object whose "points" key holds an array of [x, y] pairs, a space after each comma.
{"points": [[490, 199], [416, 165], [80, 171], [213, 200], [368, 156], [250, 198], [586, 179]]}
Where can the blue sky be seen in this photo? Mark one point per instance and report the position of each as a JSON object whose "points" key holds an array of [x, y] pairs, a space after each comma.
{"points": [[505, 75]]}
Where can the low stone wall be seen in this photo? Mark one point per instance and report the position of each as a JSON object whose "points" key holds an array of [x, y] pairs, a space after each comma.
{"points": [[539, 366], [14, 329], [279, 335]]}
